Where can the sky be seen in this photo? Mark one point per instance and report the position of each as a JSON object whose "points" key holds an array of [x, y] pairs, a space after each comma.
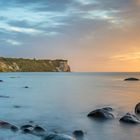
{"points": [[93, 35]]}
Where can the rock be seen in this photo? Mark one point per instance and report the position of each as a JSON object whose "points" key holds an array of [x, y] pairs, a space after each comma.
{"points": [[103, 113], [26, 126], [27, 130], [4, 124], [1, 81], [137, 108], [39, 129], [131, 79], [33, 129], [78, 133], [130, 118], [7, 125], [26, 87], [53, 136], [17, 106], [14, 128], [108, 108], [31, 121], [4, 96]]}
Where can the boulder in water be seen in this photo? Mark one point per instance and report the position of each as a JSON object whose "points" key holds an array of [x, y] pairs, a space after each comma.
{"points": [[103, 113], [137, 108], [130, 118], [131, 79]]}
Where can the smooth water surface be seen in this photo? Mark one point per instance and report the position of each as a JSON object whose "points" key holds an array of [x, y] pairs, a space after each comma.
{"points": [[61, 101]]}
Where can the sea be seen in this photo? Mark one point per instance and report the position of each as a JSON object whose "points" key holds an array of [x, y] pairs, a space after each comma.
{"points": [[60, 102]]}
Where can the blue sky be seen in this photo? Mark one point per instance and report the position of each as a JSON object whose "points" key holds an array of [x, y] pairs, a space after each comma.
{"points": [[94, 35]]}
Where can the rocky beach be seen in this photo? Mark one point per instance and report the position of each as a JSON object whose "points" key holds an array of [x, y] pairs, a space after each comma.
{"points": [[52, 110]]}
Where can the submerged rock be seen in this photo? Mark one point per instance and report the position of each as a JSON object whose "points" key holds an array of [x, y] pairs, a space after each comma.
{"points": [[7, 125], [78, 133], [103, 113], [1, 81], [130, 118], [4, 124], [26, 87], [33, 129], [137, 108], [53, 136], [131, 79], [4, 96], [17, 106]]}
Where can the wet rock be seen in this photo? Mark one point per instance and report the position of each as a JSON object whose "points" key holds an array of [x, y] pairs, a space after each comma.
{"points": [[103, 113], [33, 129], [39, 129], [131, 79], [137, 108], [130, 118], [26, 126], [108, 108], [53, 136], [27, 130], [78, 133]]}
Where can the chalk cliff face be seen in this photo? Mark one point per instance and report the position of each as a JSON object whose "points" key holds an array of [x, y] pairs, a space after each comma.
{"points": [[33, 65]]}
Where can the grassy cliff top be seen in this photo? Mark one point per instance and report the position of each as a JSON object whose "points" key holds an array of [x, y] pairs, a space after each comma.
{"points": [[33, 65]]}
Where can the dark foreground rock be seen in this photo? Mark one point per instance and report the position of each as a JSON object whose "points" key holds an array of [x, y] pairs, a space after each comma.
{"points": [[130, 118], [131, 79], [137, 108], [54, 136], [103, 113]]}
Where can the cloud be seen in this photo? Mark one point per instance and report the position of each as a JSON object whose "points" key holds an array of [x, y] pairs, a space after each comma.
{"points": [[86, 2], [13, 42], [127, 56], [8, 28]]}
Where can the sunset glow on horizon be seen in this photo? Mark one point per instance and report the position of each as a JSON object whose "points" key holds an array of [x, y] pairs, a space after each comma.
{"points": [[93, 35]]}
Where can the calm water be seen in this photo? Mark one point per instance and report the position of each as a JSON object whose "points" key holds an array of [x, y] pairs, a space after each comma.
{"points": [[60, 102]]}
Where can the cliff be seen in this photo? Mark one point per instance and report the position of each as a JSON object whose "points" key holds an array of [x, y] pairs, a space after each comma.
{"points": [[33, 65]]}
